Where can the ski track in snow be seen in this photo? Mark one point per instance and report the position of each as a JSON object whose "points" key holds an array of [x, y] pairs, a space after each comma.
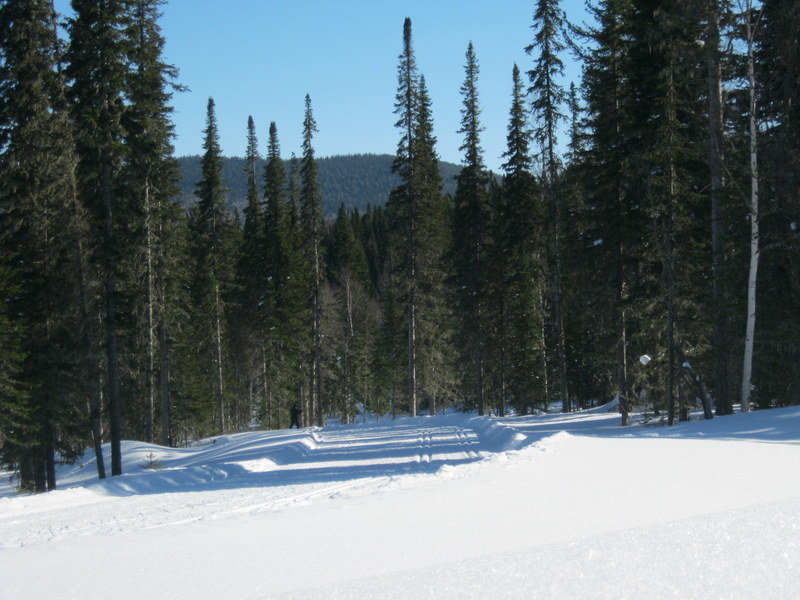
{"points": [[292, 470]]}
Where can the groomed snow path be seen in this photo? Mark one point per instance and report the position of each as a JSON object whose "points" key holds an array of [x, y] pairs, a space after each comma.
{"points": [[548, 507]]}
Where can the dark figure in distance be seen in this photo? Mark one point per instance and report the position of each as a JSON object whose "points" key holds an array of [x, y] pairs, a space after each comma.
{"points": [[295, 413]]}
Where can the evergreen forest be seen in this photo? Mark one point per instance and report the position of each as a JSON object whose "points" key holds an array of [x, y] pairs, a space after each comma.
{"points": [[640, 244]]}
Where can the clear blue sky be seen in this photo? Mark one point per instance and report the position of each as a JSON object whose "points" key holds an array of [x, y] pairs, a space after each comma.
{"points": [[261, 57]]}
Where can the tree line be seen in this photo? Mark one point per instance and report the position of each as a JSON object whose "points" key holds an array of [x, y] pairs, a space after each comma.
{"points": [[631, 259], [357, 181]]}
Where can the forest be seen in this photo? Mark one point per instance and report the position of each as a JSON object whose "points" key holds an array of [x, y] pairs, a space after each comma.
{"points": [[357, 181], [641, 242]]}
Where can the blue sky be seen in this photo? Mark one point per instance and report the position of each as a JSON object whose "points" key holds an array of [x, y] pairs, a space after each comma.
{"points": [[261, 57]]}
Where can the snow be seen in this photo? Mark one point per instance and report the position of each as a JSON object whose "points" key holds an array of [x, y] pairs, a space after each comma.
{"points": [[550, 506]]}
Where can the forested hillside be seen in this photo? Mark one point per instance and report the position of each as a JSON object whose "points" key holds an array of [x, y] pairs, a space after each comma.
{"points": [[355, 181]]}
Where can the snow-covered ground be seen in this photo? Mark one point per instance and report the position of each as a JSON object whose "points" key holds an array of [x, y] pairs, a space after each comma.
{"points": [[553, 506]]}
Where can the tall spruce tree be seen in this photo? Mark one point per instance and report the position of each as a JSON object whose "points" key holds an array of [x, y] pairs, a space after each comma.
{"points": [[665, 67], [42, 231], [151, 176], [716, 162], [548, 98], [611, 217], [417, 209], [517, 344], [471, 213], [247, 331], [311, 212], [213, 243], [97, 66], [350, 318], [777, 364]]}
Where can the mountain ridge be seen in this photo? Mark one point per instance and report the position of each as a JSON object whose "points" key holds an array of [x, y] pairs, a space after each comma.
{"points": [[355, 180]]}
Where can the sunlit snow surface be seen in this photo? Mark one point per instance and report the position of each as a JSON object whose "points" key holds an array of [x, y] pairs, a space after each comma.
{"points": [[552, 506]]}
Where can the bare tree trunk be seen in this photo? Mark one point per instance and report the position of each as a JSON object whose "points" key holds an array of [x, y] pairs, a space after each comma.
{"points": [[348, 367], [150, 382], [92, 367], [749, 339], [50, 455], [412, 338], [218, 383], [166, 425], [554, 223], [112, 347], [316, 366], [715, 160], [669, 268]]}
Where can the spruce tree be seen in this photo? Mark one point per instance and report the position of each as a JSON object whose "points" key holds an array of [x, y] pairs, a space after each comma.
{"points": [[247, 330], [151, 176], [777, 72], [213, 247], [470, 241], [42, 232], [611, 216], [97, 62], [417, 210], [716, 162], [516, 344], [665, 68], [312, 220], [285, 303], [350, 317], [548, 98]]}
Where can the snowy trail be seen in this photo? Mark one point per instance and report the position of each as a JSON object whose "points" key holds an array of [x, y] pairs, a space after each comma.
{"points": [[240, 474], [547, 506]]}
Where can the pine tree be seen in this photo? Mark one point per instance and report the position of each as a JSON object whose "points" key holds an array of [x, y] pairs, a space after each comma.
{"points": [[311, 213], [548, 98], [97, 62], [611, 217], [716, 162], [252, 257], [285, 303], [247, 319], [42, 229], [350, 319], [213, 270], [665, 68], [417, 208], [516, 344], [151, 175], [470, 240], [777, 73]]}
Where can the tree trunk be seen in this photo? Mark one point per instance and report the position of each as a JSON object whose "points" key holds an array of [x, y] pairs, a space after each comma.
{"points": [[412, 336], [91, 366], [112, 347], [50, 456], [348, 367], [669, 265], [150, 383], [749, 339], [163, 346], [316, 367], [554, 218], [715, 160], [218, 379]]}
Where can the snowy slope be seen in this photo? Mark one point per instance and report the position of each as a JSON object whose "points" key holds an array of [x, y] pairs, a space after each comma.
{"points": [[457, 506]]}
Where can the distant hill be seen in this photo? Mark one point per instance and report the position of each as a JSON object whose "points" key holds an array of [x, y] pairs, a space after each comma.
{"points": [[355, 180]]}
